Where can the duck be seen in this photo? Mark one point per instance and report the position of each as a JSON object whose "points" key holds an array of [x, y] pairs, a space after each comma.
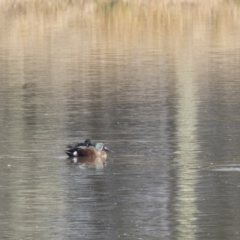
{"points": [[87, 149]]}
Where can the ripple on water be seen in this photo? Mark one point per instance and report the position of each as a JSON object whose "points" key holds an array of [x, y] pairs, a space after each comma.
{"points": [[226, 168]]}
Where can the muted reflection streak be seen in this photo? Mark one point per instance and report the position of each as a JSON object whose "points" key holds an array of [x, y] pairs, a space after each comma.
{"points": [[187, 145]]}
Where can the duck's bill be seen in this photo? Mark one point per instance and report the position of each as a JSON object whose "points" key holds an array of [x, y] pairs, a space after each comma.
{"points": [[107, 149]]}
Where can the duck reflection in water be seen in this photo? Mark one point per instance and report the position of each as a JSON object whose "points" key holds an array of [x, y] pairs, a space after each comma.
{"points": [[87, 152]]}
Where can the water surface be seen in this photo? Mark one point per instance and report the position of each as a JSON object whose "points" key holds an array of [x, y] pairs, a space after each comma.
{"points": [[158, 83]]}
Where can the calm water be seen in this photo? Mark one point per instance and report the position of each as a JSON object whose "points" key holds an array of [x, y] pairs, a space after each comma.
{"points": [[160, 86]]}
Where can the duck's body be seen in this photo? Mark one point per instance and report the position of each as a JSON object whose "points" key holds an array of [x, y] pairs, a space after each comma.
{"points": [[87, 149], [90, 152]]}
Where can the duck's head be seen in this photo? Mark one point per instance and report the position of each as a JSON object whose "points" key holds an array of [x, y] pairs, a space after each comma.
{"points": [[101, 147]]}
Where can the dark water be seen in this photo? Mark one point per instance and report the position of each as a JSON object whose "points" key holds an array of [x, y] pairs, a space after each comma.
{"points": [[164, 97]]}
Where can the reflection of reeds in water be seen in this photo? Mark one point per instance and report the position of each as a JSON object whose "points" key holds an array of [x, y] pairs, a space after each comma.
{"points": [[122, 25], [46, 31], [123, 21], [135, 11]]}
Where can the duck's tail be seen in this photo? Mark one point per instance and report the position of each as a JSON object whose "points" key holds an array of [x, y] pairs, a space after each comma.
{"points": [[69, 153]]}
